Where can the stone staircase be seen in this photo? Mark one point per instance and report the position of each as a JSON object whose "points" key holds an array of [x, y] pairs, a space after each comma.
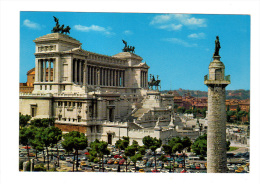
{"points": [[139, 113]]}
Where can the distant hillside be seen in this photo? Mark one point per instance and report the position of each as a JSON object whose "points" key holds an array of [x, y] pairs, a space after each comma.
{"points": [[240, 94]]}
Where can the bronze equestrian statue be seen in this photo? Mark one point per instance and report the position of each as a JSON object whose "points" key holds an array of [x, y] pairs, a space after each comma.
{"points": [[128, 48], [153, 82], [60, 29]]}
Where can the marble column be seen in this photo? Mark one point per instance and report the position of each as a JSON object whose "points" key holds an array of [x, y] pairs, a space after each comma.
{"points": [[90, 75], [123, 79], [53, 69], [75, 72], [84, 73], [44, 71], [92, 81], [114, 77], [106, 77], [57, 69], [80, 82], [109, 81], [36, 70], [49, 70], [118, 77], [86, 68]]}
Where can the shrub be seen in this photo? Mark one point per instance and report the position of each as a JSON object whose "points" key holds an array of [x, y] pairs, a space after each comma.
{"points": [[39, 167], [21, 165], [53, 169]]}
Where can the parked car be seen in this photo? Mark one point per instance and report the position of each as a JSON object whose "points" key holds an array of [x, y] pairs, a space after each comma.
{"points": [[110, 161], [183, 171], [121, 162], [114, 169], [202, 166], [117, 156], [105, 161], [192, 166], [62, 158], [108, 168], [68, 159], [141, 171], [155, 170]]}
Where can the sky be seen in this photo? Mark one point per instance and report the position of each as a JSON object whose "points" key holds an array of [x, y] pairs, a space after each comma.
{"points": [[177, 47]]}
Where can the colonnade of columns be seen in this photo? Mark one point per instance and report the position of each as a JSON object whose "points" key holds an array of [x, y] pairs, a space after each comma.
{"points": [[78, 71], [46, 70], [104, 76], [144, 79]]}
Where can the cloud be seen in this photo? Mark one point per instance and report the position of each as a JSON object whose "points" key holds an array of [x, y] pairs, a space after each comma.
{"points": [[31, 24], [197, 35], [188, 20], [177, 21], [94, 28], [159, 19], [171, 27], [128, 32], [180, 42]]}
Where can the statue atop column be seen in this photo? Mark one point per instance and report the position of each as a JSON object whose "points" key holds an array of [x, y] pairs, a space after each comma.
{"points": [[217, 47], [128, 48], [60, 29]]}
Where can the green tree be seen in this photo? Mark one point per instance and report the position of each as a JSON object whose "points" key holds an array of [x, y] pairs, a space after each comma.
{"points": [[45, 122], [37, 142], [74, 141], [135, 158], [199, 147], [153, 144], [204, 112], [180, 145], [169, 149], [229, 114], [50, 136], [189, 111], [129, 152], [141, 150], [122, 144], [23, 120], [181, 110], [26, 135], [100, 148]]}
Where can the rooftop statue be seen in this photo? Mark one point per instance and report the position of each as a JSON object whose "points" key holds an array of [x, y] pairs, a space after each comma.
{"points": [[217, 47], [60, 29], [128, 48], [154, 82]]}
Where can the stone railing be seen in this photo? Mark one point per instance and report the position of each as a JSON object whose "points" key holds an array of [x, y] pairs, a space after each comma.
{"points": [[226, 78], [36, 94], [105, 58], [115, 123], [70, 95], [142, 131]]}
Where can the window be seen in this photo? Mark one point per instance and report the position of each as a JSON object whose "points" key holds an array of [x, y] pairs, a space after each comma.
{"points": [[33, 110]]}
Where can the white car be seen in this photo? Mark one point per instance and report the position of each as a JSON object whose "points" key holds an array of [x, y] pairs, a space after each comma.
{"points": [[68, 159], [108, 168], [114, 169]]}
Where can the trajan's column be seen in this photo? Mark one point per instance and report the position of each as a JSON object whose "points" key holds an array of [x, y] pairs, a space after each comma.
{"points": [[216, 134]]}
